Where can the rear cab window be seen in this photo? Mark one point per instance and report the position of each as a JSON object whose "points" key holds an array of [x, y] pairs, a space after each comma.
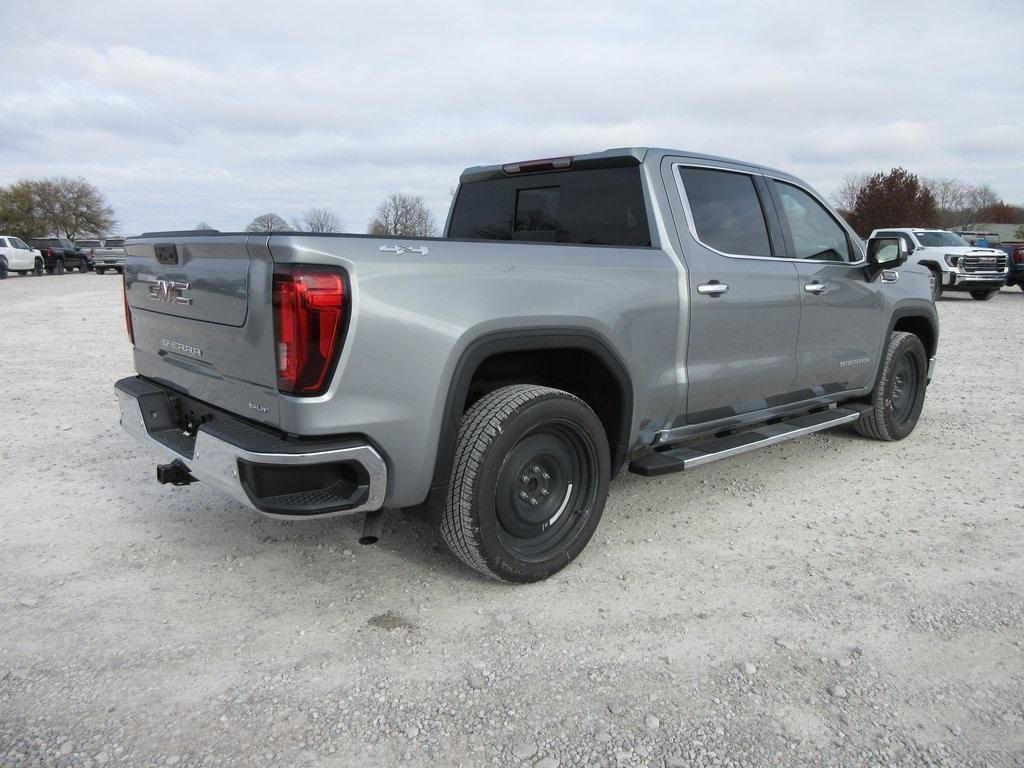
{"points": [[586, 206]]}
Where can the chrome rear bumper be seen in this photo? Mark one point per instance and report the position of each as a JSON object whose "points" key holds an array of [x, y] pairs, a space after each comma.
{"points": [[236, 469]]}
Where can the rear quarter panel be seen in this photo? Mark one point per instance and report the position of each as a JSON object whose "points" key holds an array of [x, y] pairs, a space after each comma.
{"points": [[413, 316]]}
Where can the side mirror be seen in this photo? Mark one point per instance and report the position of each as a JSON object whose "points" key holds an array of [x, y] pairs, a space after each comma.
{"points": [[886, 253]]}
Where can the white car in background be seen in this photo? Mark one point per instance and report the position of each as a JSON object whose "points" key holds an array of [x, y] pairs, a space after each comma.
{"points": [[17, 256]]}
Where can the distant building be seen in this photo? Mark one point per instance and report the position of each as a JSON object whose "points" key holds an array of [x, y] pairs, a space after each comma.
{"points": [[1006, 232]]}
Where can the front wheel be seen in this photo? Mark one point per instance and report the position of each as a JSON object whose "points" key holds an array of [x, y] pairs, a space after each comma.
{"points": [[936, 281], [983, 295], [100, 270], [898, 398], [3, 268], [529, 483]]}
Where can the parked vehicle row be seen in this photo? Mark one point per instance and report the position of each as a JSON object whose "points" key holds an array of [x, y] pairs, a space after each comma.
{"points": [[56, 255]]}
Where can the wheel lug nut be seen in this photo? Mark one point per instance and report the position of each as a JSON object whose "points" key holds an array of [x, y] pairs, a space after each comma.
{"points": [[546, 476], [543, 491], [537, 470], [522, 494], [533, 502], [525, 479]]}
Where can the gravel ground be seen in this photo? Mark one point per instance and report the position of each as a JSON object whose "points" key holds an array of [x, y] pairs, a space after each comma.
{"points": [[831, 601]]}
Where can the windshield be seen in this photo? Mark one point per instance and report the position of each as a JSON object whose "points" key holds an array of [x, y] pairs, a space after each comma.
{"points": [[932, 239], [89, 243], [115, 243]]}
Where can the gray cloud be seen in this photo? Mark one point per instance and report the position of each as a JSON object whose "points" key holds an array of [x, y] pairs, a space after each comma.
{"points": [[205, 111]]}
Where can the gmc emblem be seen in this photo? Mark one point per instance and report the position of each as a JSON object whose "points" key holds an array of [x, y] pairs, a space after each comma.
{"points": [[171, 291]]}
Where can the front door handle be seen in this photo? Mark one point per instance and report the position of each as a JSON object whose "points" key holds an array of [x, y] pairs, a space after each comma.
{"points": [[714, 288], [816, 288]]}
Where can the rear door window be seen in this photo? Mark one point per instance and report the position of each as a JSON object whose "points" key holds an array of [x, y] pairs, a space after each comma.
{"points": [[598, 206], [726, 211]]}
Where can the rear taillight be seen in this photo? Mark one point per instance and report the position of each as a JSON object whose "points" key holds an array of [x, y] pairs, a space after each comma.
{"points": [[127, 309], [309, 326], [1018, 254]]}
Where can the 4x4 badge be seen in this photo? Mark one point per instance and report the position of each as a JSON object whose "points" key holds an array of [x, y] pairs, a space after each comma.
{"points": [[422, 250]]}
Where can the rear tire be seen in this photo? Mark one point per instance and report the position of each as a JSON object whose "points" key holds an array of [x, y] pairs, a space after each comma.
{"points": [[58, 268], [3, 268], [39, 268], [983, 295], [529, 483], [100, 270], [899, 394]]}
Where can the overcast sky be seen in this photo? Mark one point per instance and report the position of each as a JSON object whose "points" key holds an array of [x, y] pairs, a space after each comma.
{"points": [[189, 111]]}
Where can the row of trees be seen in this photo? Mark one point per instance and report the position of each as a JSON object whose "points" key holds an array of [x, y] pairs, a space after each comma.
{"points": [[74, 208], [901, 198], [56, 206], [398, 214]]}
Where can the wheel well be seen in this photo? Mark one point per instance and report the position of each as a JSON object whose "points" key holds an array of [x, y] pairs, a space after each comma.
{"points": [[578, 371], [920, 327]]}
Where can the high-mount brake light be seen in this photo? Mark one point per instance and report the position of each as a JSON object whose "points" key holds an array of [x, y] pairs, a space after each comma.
{"points": [[127, 308], [309, 326], [536, 166]]}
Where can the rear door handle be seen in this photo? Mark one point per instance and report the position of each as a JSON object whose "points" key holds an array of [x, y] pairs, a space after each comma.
{"points": [[817, 288], [714, 288]]}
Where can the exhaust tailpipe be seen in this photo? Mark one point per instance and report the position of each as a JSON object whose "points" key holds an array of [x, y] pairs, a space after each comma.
{"points": [[373, 525]]}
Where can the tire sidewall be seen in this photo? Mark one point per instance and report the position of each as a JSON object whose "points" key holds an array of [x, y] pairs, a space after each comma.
{"points": [[499, 558], [907, 344]]}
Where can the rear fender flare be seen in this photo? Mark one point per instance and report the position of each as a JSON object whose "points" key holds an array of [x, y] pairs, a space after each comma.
{"points": [[525, 340]]}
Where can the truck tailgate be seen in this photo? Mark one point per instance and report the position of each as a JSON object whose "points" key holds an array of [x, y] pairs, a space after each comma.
{"points": [[202, 318]]}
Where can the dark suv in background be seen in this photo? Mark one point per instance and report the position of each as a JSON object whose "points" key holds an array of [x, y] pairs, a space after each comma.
{"points": [[60, 254]]}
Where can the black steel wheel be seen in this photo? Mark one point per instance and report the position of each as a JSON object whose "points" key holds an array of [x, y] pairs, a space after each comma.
{"points": [[899, 392], [529, 483]]}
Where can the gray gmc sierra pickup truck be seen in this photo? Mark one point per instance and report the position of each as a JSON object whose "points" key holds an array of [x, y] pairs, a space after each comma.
{"points": [[642, 308]]}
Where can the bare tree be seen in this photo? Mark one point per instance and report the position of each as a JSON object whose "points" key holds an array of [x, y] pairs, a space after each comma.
{"points": [[317, 220], [267, 222], [404, 216], [950, 200], [845, 197], [203, 225]]}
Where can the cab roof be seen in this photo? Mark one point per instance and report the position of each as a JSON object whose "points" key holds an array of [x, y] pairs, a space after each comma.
{"points": [[613, 158]]}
